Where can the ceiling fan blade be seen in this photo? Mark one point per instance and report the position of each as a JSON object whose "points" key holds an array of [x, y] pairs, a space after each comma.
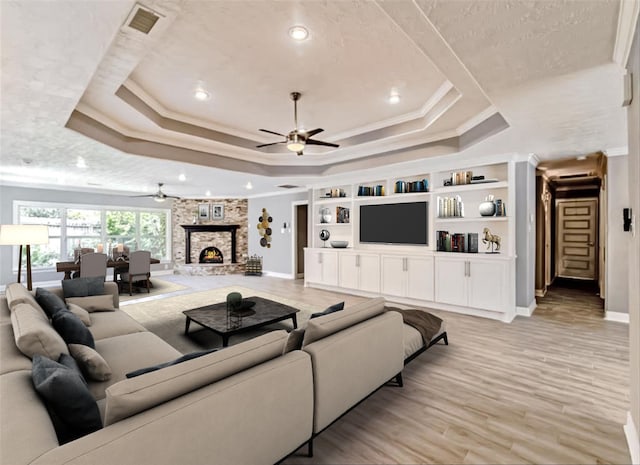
{"points": [[145, 195], [272, 132], [313, 132], [272, 143], [319, 142]]}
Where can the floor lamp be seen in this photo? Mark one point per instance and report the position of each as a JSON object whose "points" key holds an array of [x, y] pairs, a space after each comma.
{"points": [[24, 234]]}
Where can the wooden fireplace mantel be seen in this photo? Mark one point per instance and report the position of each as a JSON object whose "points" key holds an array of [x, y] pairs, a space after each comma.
{"points": [[191, 228]]}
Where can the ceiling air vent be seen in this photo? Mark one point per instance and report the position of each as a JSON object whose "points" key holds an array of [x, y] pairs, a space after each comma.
{"points": [[143, 20], [288, 186]]}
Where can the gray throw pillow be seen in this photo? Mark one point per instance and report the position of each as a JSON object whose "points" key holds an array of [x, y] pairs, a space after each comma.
{"points": [[82, 287], [72, 329], [294, 341], [184, 358], [50, 303], [73, 410], [333, 308]]}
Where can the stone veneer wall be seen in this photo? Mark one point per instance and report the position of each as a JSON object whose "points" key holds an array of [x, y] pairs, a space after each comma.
{"points": [[235, 212]]}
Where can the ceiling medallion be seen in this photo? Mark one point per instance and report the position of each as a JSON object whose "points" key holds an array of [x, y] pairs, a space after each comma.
{"points": [[298, 33]]}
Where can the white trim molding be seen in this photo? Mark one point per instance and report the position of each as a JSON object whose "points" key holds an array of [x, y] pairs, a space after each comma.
{"points": [[275, 274], [527, 311], [627, 18], [617, 151], [633, 439], [617, 316]]}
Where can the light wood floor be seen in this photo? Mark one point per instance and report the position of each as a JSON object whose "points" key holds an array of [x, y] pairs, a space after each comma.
{"points": [[552, 388]]}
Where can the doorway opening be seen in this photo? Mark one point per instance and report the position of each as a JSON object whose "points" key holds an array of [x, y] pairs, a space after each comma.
{"points": [[300, 232], [570, 210]]}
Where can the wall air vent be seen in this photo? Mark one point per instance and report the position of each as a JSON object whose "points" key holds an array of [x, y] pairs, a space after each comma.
{"points": [[143, 20], [288, 186]]}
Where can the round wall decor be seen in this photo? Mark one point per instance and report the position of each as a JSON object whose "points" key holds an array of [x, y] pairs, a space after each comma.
{"points": [[264, 228]]}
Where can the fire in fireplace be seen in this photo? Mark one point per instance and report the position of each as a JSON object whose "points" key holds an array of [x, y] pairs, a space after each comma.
{"points": [[211, 255]]}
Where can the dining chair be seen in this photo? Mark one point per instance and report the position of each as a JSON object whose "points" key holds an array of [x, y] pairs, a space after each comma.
{"points": [[115, 254], [139, 269], [93, 264]]}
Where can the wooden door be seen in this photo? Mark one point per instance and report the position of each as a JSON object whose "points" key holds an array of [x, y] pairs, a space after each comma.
{"points": [[577, 240], [301, 238]]}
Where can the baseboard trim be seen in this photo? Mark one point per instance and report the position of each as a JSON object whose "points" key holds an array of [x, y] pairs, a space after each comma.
{"points": [[527, 311], [617, 316], [633, 439], [541, 292], [161, 272], [275, 274]]}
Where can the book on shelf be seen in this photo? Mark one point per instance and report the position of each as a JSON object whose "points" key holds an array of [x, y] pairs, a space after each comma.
{"points": [[342, 215]]}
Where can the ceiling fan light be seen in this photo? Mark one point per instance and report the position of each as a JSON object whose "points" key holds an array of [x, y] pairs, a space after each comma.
{"points": [[201, 94], [159, 199], [294, 146]]}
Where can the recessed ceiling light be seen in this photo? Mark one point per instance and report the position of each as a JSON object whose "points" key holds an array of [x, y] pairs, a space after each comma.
{"points": [[208, 193], [581, 157], [298, 33], [201, 94], [394, 98], [249, 185], [80, 163], [182, 177]]}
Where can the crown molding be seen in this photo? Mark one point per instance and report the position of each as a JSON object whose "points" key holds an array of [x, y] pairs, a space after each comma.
{"points": [[627, 19]]}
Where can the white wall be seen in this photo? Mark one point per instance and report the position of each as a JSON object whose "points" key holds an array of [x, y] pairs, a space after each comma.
{"points": [[525, 185], [633, 245], [617, 251]]}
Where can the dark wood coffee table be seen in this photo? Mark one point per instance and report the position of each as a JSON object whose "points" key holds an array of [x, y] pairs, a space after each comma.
{"points": [[214, 317]]}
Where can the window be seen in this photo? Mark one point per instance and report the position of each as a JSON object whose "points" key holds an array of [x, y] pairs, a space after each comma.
{"points": [[77, 226]]}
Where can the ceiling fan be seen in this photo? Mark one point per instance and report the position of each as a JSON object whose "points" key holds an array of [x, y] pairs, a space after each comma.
{"points": [[296, 140], [159, 196]]}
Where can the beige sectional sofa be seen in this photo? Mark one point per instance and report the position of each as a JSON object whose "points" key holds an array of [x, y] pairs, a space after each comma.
{"points": [[249, 403]]}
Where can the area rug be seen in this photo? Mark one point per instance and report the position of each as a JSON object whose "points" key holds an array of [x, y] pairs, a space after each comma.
{"points": [[160, 287], [164, 317]]}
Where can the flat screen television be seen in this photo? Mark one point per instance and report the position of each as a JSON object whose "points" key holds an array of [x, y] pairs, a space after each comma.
{"points": [[394, 223]]}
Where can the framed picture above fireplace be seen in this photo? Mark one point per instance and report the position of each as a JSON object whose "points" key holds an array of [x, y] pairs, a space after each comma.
{"points": [[203, 212], [217, 212]]}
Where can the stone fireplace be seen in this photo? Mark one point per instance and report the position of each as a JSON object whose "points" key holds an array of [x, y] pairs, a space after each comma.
{"points": [[229, 236]]}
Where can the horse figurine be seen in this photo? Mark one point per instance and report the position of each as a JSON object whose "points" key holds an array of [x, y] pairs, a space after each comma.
{"points": [[490, 239]]}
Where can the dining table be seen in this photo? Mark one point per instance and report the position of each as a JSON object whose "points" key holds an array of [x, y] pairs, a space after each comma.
{"points": [[118, 266]]}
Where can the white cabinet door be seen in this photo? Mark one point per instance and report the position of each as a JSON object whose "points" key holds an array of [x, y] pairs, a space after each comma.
{"points": [[369, 268], [450, 281], [348, 272], [420, 277], [312, 266], [486, 284], [393, 275], [321, 267], [329, 268]]}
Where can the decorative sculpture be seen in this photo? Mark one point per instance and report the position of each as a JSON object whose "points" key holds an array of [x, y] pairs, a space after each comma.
{"points": [[264, 228], [490, 240], [324, 236]]}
